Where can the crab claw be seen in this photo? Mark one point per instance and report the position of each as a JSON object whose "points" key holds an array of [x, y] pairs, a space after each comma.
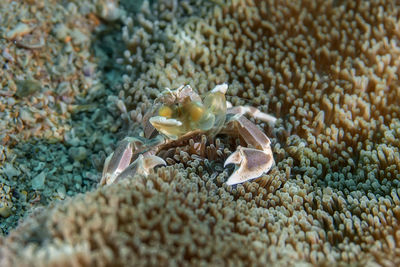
{"points": [[142, 165], [116, 162], [252, 164]]}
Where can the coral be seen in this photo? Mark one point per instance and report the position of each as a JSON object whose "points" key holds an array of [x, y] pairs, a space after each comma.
{"points": [[175, 216], [327, 69]]}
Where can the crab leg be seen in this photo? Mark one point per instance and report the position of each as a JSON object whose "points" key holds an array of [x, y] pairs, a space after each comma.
{"points": [[252, 111], [253, 162]]}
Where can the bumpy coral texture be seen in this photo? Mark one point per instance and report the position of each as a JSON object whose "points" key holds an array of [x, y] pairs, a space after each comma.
{"points": [[327, 69]]}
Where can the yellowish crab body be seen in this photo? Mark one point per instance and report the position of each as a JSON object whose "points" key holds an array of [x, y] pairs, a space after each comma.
{"points": [[185, 111], [180, 113]]}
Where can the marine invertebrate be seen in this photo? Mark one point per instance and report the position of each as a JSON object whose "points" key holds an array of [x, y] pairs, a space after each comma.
{"points": [[181, 114]]}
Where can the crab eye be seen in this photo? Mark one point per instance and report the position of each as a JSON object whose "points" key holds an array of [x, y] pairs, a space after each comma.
{"points": [[165, 111], [196, 112]]}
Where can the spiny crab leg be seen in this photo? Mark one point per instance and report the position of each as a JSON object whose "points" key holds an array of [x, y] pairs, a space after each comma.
{"points": [[118, 165], [253, 162]]}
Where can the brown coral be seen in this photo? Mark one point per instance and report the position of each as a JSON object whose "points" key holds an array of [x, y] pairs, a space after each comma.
{"points": [[172, 217], [328, 70]]}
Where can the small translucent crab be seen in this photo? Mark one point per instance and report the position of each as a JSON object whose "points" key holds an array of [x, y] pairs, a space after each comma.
{"points": [[181, 114]]}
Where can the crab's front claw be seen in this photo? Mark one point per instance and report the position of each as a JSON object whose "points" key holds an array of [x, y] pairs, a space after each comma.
{"points": [[119, 164], [142, 165], [116, 162], [252, 164]]}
